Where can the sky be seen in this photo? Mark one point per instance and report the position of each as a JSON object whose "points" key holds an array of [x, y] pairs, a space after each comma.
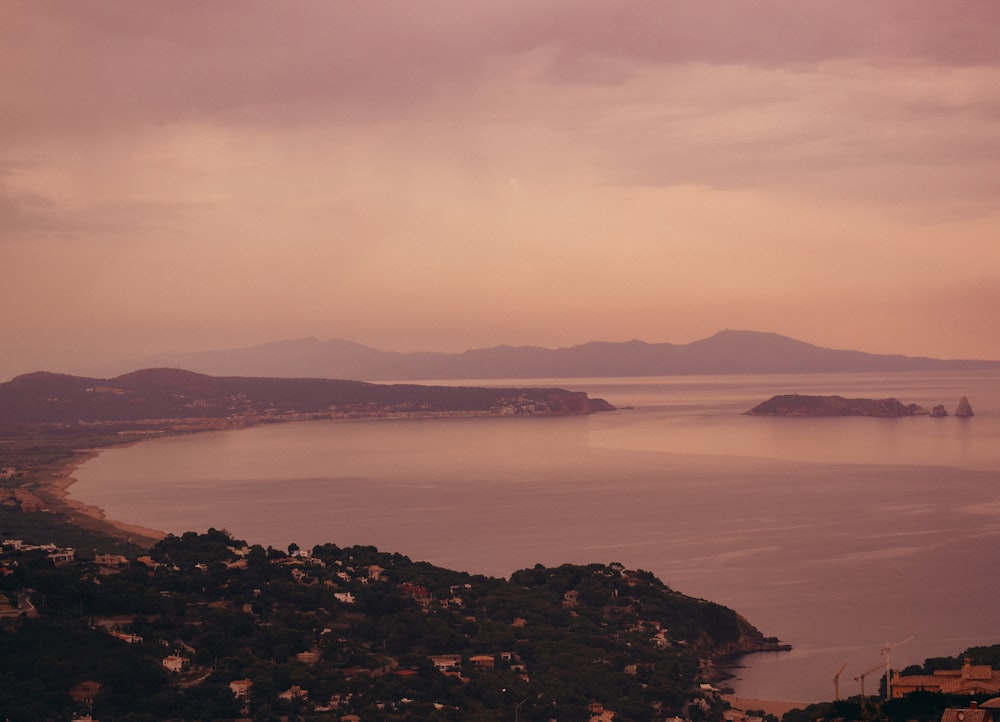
{"points": [[439, 176]]}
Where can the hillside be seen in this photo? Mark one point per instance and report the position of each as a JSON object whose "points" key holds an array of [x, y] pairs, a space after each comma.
{"points": [[206, 627], [172, 394], [727, 352]]}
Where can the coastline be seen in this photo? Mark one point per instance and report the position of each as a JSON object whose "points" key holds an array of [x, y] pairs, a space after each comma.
{"points": [[770, 706], [52, 488]]}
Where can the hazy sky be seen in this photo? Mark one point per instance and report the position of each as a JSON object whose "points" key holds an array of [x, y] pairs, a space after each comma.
{"points": [[448, 175]]}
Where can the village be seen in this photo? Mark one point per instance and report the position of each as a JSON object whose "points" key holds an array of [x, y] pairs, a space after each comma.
{"points": [[347, 633]]}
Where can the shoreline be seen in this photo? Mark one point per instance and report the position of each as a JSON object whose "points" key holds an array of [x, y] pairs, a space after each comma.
{"points": [[50, 482], [770, 706], [52, 488]]}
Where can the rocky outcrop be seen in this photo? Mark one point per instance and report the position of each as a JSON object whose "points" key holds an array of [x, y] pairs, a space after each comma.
{"points": [[798, 405], [964, 408]]}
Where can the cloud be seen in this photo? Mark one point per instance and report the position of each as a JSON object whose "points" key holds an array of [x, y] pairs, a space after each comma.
{"points": [[462, 174], [106, 65], [29, 217], [717, 93], [776, 33]]}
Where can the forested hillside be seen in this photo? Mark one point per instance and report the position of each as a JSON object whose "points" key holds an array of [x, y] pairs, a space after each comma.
{"points": [[254, 632]]}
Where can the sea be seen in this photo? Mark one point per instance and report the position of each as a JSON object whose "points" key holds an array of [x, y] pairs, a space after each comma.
{"points": [[861, 542]]}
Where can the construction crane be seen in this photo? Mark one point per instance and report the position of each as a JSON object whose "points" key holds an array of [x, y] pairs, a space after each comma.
{"points": [[886, 652], [836, 682], [861, 677]]}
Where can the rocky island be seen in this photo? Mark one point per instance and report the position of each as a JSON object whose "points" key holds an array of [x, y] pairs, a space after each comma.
{"points": [[801, 405]]}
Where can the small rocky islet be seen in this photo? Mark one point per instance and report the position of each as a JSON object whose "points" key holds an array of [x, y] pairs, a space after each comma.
{"points": [[804, 405]]}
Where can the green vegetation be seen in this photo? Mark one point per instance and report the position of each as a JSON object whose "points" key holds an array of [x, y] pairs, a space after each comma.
{"points": [[353, 630], [39, 527], [988, 655]]}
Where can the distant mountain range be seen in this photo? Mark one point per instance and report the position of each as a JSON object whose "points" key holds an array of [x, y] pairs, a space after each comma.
{"points": [[727, 352]]}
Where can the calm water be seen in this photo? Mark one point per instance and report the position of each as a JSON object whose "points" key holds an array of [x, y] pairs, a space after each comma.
{"points": [[836, 535]]}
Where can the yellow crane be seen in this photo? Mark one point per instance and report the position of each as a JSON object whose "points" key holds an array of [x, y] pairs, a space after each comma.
{"points": [[836, 682], [861, 677], [886, 652]]}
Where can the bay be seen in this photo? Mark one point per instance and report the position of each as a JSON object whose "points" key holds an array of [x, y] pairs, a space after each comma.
{"points": [[840, 536]]}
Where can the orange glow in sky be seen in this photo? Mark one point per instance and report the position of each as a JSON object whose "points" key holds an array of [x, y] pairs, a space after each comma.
{"points": [[444, 176]]}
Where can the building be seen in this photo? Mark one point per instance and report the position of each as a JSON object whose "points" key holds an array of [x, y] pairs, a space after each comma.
{"points": [[294, 692], [241, 688], [175, 664], [972, 713], [126, 636], [970, 679], [447, 662], [483, 661], [61, 557]]}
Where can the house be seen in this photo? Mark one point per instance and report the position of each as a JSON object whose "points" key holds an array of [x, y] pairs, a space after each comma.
{"points": [[973, 713], [176, 664], [417, 593], [446, 662], [483, 661], [970, 679], [241, 688], [310, 656], [61, 557], [110, 560], [294, 692], [661, 639]]}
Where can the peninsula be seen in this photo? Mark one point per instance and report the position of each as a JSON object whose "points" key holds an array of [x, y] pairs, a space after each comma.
{"points": [[173, 398], [51, 423]]}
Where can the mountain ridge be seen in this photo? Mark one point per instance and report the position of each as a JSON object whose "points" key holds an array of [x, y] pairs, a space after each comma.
{"points": [[725, 352]]}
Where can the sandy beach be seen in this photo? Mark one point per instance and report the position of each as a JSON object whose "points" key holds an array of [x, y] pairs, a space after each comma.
{"points": [[51, 486], [769, 706]]}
